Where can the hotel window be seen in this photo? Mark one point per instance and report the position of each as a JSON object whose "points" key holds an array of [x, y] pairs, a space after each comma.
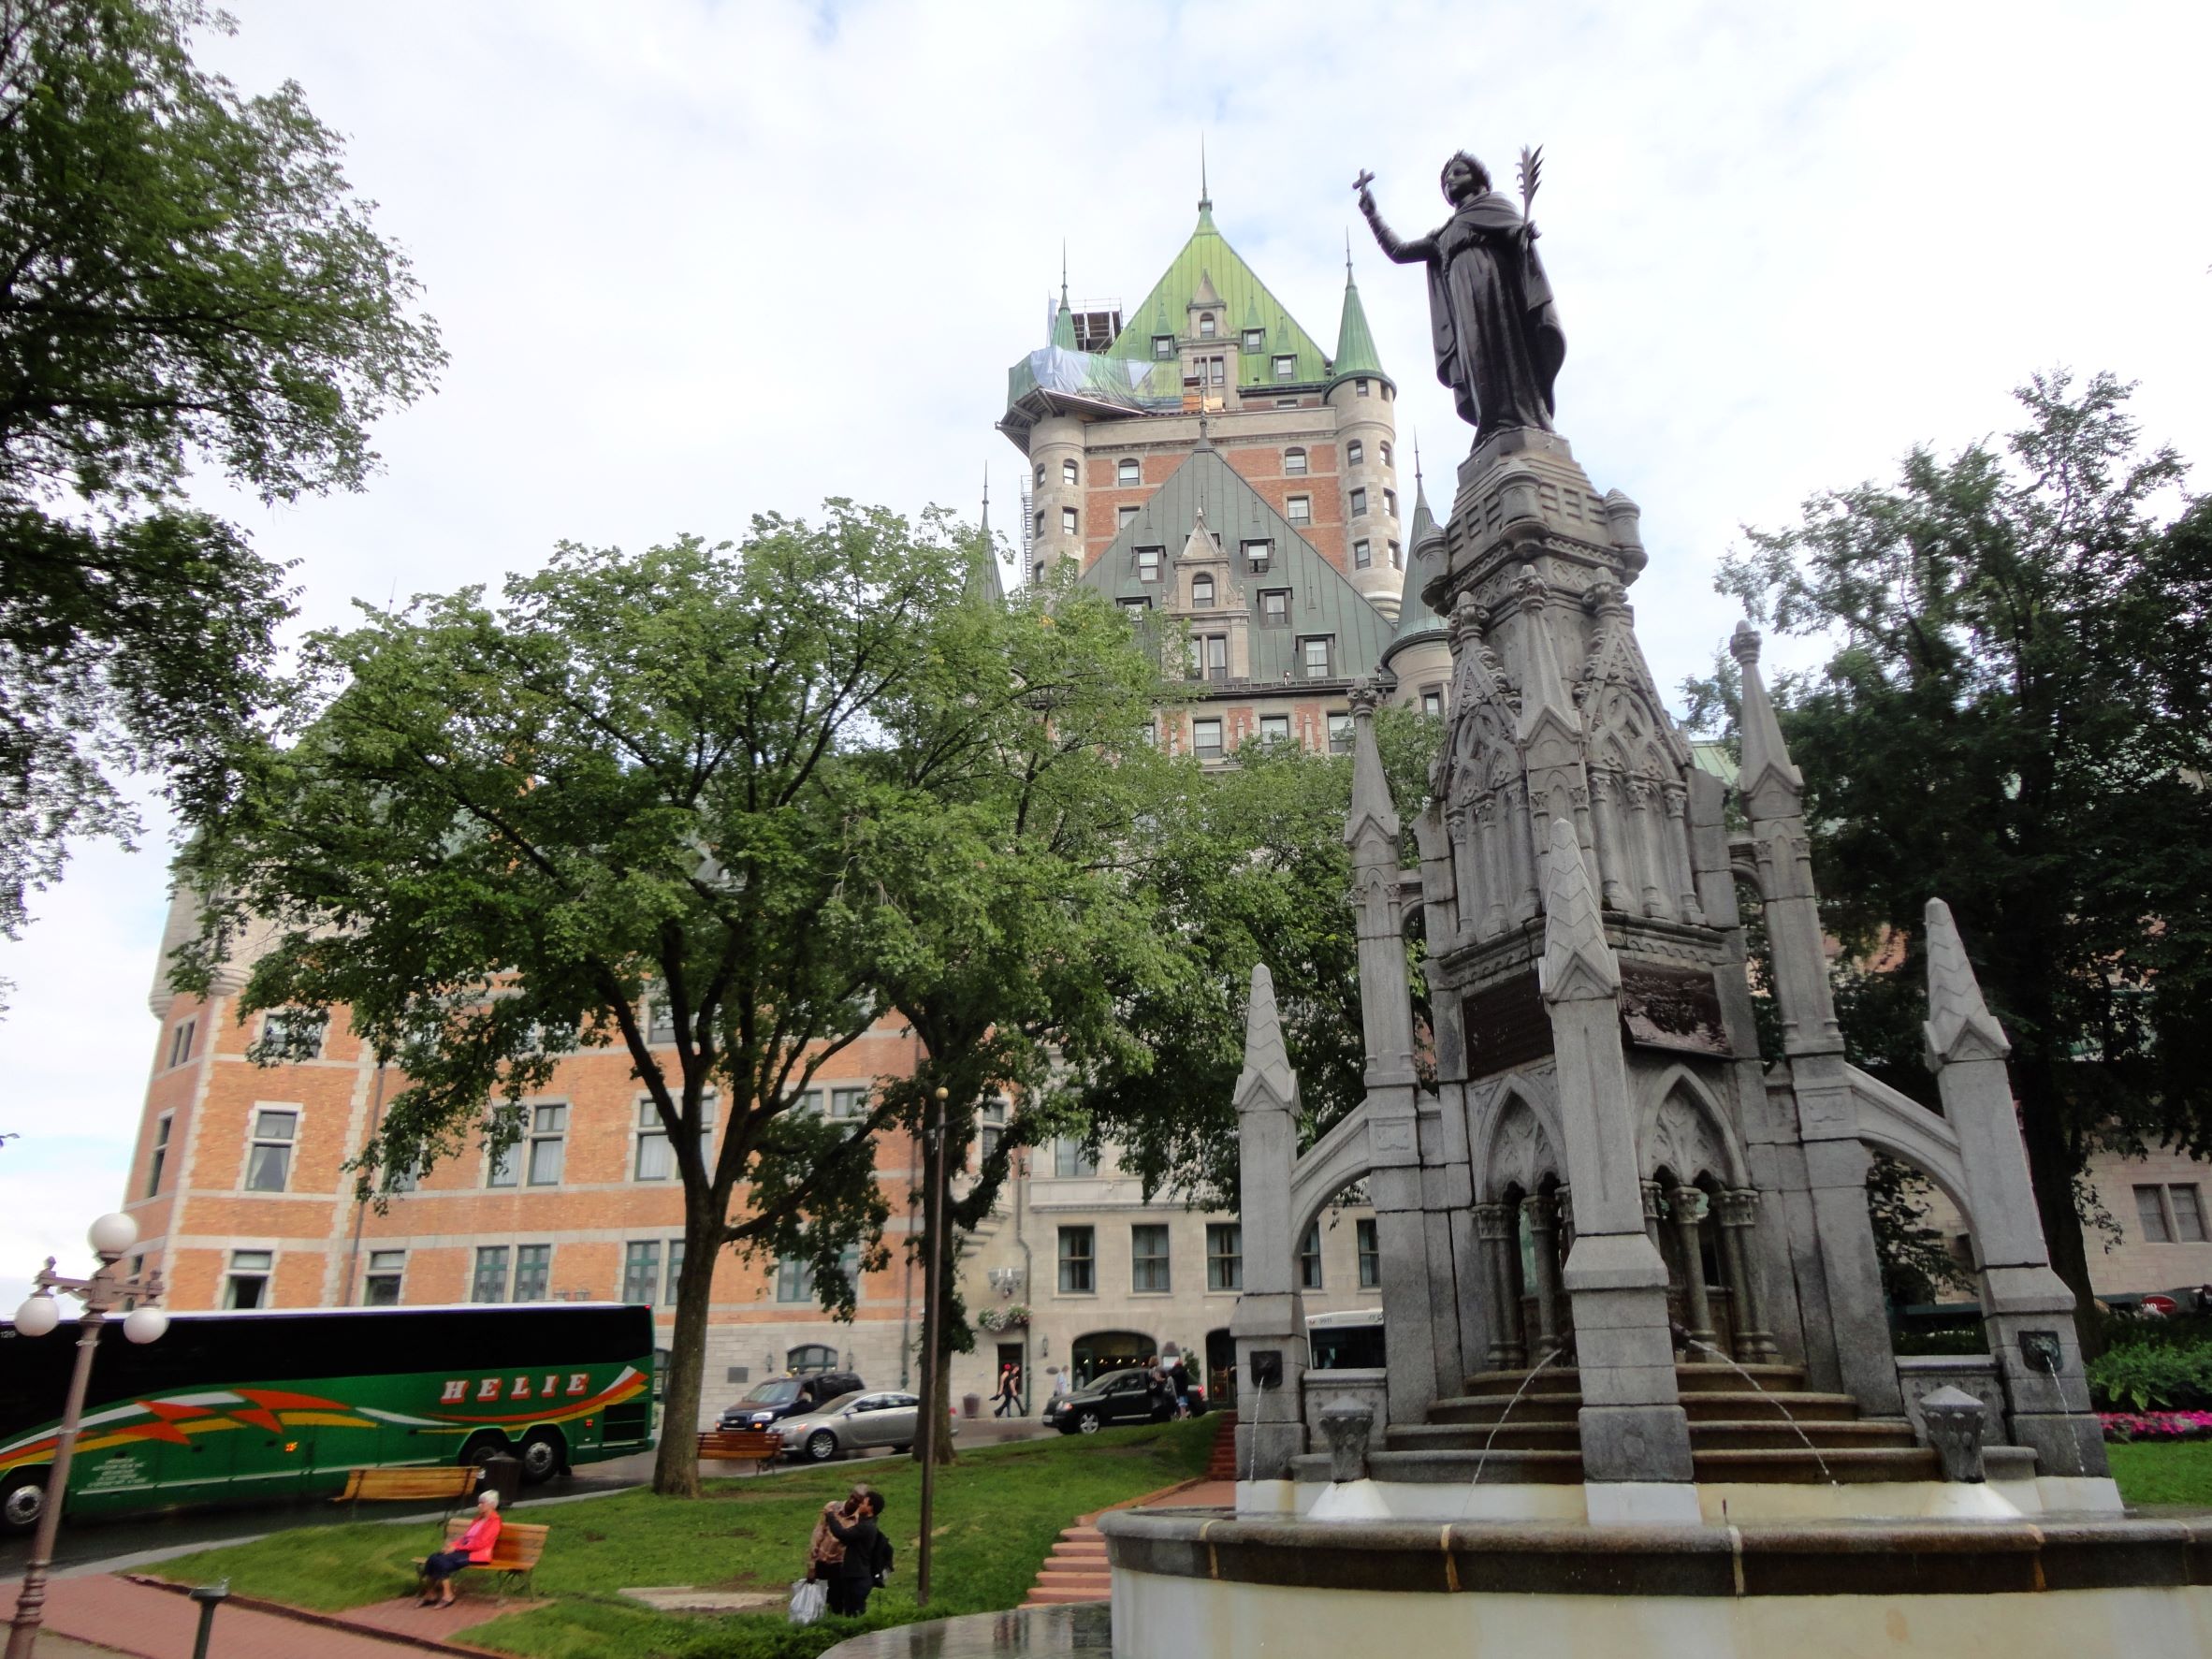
{"points": [[1370, 1255], [292, 1034], [1358, 504], [1294, 461], [1340, 734], [548, 1145], [1286, 368], [1207, 324], [848, 1104], [674, 1282], [1309, 1257], [1313, 655], [1254, 340], [1148, 1259], [181, 1042], [160, 1155], [1433, 701], [1209, 657], [1205, 739], [1354, 453], [1385, 455], [1078, 1274], [247, 1285], [2171, 1215], [1163, 345], [489, 1282], [1363, 555], [1397, 557], [990, 1128], [1390, 504], [1127, 471], [1127, 516], [641, 1271], [1225, 1256], [503, 1166], [1300, 510], [1148, 560], [1285, 403], [380, 1288], [659, 1022], [1040, 474], [1256, 557], [795, 1279], [1202, 590], [1068, 521], [1136, 607], [1214, 371], [1360, 386], [1070, 473], [534, 1272], [1274, 728], [1070, 1159], [1041, 530], [268, 1161], [1275, 607]]}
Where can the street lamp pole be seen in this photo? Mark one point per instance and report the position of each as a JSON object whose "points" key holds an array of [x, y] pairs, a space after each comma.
{"points": [[933, 1336], [110, 1237]]}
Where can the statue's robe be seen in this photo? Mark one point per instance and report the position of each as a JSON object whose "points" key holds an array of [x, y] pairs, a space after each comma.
{"points": [[1498, 341]]}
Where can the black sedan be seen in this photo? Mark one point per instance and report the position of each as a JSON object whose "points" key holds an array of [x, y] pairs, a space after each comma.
{"points": [[1119, 1397]]}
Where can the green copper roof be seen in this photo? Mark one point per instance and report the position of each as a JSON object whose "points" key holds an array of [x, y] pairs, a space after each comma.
{"points": [[1425, 561], [1245, 303], [1321, 600], [1064, 323], [1355, 341]]}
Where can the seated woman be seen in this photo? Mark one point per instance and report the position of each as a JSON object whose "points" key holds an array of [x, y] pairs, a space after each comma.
{"points": [[473, 1548]]}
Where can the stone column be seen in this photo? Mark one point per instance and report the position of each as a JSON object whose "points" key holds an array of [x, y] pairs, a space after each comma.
{"points": [[1518, 865], [1539, 1210], [1651, 847], [1497, 862], [1696, 1305], [1678, 852], [1616, 860], [2027, 1310], [1269, 1320], [1651, 1189], [1493, 1227], [1738, 1216], [1469, 862], [1632, 1422]]}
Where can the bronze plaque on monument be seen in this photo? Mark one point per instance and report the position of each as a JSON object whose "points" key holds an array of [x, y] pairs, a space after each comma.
{"points": [[1507, 1025], [1677, 1008]]}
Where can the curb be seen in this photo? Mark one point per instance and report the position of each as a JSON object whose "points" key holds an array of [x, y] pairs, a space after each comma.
{"points": [[330, 1620]]}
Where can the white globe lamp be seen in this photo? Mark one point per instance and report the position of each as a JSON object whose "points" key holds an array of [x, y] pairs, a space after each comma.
{"points": [[37, 1317], [111, 1235], [145, 1324]]}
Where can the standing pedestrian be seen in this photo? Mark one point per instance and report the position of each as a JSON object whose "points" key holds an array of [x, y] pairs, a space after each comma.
{"points": [[1006, 1392], [866, 1557], [1179, 1380], [825, 1555]]}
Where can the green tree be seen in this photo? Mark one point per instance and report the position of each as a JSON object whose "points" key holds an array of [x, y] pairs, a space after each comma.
{"points": [[188, 279], [2015, 719], [493, 833]]}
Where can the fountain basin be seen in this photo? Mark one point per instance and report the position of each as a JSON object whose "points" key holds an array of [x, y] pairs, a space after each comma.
{"points": [[1192, 1581]]}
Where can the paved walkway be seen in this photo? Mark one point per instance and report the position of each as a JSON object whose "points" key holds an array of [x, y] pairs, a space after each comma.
{"points": [[139, 1621]]}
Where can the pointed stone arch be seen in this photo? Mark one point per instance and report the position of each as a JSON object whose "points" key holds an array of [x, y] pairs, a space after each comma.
{"points": [[1683, 1123], [1516, 1142]]}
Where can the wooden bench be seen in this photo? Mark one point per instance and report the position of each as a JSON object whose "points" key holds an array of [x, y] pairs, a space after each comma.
{"points": [[451, 1483], [759, 1446], [515, 1557]]}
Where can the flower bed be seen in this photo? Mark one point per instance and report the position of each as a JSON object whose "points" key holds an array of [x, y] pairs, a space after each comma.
{"points": [[2125, 1426]]}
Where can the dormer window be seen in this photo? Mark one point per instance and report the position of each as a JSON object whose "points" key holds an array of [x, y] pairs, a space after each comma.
{"points": [[1163, 345], [1128, 473], [1201, 590], [1258, 555], [1254, 340], [1275, 607], [1354, 453], [1207, 325], [1294, 461], [1286, 368], [1148, 563]]}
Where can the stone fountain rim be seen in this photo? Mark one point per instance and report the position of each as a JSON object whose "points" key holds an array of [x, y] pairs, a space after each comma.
{"points": [[1930, 1557]]}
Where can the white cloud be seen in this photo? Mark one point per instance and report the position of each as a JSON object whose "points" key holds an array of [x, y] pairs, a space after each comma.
{"points": [[695, 261]]}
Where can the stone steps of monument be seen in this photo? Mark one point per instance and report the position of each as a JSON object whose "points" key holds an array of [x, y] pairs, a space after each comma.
{"points": [[1513, 1436], [1690, 1378], [1846, 1465], [1454, 1467], [1717, 1435], [1804, 1405]]}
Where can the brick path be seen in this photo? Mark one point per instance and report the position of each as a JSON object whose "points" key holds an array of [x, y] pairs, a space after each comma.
{"points": [[148, 1623]]}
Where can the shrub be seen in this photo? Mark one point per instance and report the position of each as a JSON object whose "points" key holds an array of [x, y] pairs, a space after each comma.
{"points": [[2153, 1377]]}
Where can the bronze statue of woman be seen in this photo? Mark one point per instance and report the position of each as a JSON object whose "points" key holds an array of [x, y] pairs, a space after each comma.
{"points": [[1498, 341]]}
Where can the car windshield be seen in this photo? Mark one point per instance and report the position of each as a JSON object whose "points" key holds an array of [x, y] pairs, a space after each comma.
{"points": [[781, 1392], [837, 1405]]}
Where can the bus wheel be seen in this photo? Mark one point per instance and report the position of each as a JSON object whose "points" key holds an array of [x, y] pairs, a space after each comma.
{"points": [[483, 1447], [22, 1500], [544, 1455]]}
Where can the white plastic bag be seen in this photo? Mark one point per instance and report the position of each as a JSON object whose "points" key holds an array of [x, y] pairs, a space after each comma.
{"points": [[809, 1598]]}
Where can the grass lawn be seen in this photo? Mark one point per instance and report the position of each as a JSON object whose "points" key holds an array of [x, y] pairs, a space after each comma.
{"points": [[2178, 1472], [998, 1510]]}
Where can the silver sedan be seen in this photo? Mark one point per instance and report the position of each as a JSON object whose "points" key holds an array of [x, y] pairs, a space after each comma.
{"points": [[856, 1422]]}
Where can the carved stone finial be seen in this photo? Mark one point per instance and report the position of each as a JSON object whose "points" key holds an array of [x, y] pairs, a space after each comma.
{"points": [[1743, 645], [1959, 1024], [1956, 1421], [1365, 698], [1577, 964], [1267, 1082], [1347, 1423], [1602, 597], [1373, 809], [1466, 620], [1767, 778], [1528, 587]]}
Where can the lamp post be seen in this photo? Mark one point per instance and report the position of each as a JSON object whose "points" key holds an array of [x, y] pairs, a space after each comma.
{"points": [[110, 1237], [933, 1336]]}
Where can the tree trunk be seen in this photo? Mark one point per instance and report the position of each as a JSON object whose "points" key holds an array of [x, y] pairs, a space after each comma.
{"points": [[946, 1452], [676, 1465], [2052, 1167]]}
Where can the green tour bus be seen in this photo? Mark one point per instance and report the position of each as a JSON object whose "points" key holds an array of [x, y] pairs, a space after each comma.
{"points": [[278, 1402]]}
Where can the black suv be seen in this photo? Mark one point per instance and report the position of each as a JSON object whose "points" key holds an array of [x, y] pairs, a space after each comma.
{"points": [[785, 1396], [1118, 1397]]}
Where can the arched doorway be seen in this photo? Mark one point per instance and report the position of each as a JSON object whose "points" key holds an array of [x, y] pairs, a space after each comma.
{"points": [[810, 1357], [1093, 1356]]}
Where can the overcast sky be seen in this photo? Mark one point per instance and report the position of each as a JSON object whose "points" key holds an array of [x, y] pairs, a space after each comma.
{"points": [[694, 261]]}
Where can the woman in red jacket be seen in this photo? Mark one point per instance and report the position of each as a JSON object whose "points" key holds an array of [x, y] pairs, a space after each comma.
{"points": [[473, 1548]]}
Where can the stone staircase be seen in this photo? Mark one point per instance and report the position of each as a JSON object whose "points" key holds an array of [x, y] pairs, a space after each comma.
{"points": [[1222, 1463], [1076, 1569], [1738, 1433]]}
